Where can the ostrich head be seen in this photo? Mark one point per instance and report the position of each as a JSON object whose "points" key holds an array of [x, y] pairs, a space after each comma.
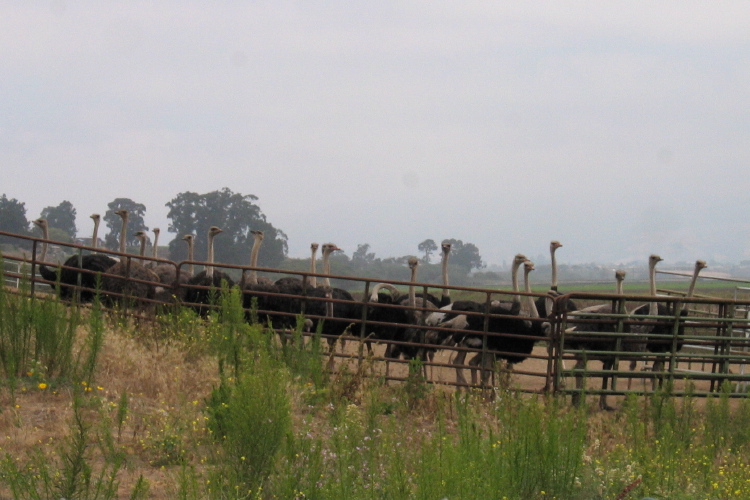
{"points": [[330, 248], [188, 238], [446, 247], [700, 264], [654, 259], [41, 224], [314, 247], [95, 217], [122, 213], [528, 266], [554, 245], [142, 237], [258, 235], [620, 275], [413, 262], [519, 259]]}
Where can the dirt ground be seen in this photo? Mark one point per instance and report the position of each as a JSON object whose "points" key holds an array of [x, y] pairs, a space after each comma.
{"points": [[530, 375]]}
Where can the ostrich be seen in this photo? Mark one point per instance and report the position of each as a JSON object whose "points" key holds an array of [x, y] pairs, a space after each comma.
{"points": [[203, 285], [338, 315], [384, 308], [593, 319], [408, 317], [538, 328], [512, 338], [128, 277], [662, 327], [84, 268], [439, 318], [264, 293]]}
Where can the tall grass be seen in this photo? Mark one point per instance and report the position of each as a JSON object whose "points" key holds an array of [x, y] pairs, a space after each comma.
{"points": [[279, 425], [37, 338]]}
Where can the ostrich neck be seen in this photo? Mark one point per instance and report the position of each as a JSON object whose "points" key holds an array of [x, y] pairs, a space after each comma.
{"points": [[123, 234], [143, 247], [514, 276], [533, 311], [653, 306], [313, 278], [413, 289], [191, 256], [95, 236], [254, 261], [554, 269], [156, 245], [618, 287], [45, 235], [446, 291], [210, 257], [691, 288], [326, 267]]}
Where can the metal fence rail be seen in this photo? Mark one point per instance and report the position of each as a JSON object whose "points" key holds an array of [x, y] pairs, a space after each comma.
{"points": [[699, 348]]}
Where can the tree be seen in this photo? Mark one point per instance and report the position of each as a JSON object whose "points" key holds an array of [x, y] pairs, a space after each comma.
{"points": [[114, 222], [236, 215], [63, 219], [465, 255], [12, 219], [427, 247], [361, 256]]}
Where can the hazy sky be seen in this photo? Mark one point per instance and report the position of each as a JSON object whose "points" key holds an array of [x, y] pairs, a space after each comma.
{"points": [[619, 128]]}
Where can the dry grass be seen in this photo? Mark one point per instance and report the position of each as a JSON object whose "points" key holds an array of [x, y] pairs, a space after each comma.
{"points": [[165, 395]]}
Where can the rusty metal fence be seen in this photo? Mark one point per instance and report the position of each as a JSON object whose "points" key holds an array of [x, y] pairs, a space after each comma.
{"points": [[697, 346]]}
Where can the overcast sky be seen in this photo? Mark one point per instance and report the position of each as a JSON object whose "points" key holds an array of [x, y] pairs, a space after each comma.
{"points": [[620, 129]]}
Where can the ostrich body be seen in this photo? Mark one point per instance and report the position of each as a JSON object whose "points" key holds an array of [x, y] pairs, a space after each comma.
{"points": [[265, 294], [128, 278], [87, 269], [209, 280]]}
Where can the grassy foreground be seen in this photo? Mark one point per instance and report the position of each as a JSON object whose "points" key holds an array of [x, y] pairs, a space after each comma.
{"points": [[102, 406]]}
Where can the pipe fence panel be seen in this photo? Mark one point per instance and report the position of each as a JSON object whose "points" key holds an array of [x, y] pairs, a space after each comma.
{"points": [[597, 344]]}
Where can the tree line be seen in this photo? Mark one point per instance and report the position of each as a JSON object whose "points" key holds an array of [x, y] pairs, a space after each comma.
{"points": [[237, 214]]}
